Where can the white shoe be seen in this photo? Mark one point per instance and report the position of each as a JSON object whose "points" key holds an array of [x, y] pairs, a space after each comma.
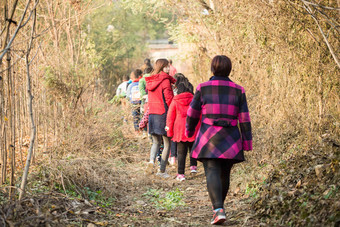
{"points": [[162, 175]]}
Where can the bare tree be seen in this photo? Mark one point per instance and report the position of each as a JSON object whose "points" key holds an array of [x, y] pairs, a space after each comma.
{"points": [[30, 107]]}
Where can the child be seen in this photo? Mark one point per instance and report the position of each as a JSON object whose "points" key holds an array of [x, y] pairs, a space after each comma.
{"points": [[145, 119], [173, 145], [142, 88], [160, 95], [176, 125], [133, 95], [143, 125], [121, 90]]}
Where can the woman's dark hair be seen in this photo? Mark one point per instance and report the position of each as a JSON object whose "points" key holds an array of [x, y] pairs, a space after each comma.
{"points": [[126, 77], [160, 65], [182, 84], [221, 65], [137, 73], [148, 70]]}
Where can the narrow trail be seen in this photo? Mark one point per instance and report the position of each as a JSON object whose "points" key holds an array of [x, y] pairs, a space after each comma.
{"points": [[96, 177], [63, 193], [197, 211]]}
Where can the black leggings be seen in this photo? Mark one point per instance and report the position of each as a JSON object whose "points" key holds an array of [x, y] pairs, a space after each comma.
{"points": [[173, 149], [182, 150], [217, 172]]}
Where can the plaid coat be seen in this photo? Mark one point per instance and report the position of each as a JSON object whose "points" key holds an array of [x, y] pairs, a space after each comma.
{"points": [[222, 105]]}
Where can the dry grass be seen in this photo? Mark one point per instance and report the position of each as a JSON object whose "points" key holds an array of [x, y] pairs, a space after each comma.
{"points": [[102, 153], [98, 153], [291, 82]]}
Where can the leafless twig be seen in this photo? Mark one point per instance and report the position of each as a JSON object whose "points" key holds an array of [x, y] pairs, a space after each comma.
{"points": [[335, 57], [319, 5], [15, 33]]}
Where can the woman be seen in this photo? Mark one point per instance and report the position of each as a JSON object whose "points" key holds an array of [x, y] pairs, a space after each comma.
{"points": [[160, 95], [219, 143]]}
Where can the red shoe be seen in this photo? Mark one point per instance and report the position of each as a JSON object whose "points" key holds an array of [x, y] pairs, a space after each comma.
{"points": [[218, 217]]}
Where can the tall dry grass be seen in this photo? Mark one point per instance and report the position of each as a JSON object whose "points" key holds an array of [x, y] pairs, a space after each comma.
{"points": [[291, 81], [279, 57], [99, 151]]}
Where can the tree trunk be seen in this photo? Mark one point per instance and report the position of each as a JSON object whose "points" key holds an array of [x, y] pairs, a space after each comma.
{"points": [[30, 108]]}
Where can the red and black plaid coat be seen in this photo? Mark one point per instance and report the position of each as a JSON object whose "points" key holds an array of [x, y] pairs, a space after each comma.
{"points": [[222, 105]]}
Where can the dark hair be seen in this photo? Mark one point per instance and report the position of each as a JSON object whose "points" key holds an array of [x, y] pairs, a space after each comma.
{"points": [[148, 70], [126, 77], [137, 73], [178, 76], [147, 61], [160, 65], [170, 61], [182, 84], [221, 65]]}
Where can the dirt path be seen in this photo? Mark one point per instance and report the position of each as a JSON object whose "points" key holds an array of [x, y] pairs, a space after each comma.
{"points": [[112, 189], [137, 208]]}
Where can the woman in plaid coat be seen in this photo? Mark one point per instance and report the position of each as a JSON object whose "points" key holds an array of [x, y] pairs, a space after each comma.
{"points": [[221, 105]]}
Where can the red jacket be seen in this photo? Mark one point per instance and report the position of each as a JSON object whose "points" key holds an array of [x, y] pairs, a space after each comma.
{"points": [[157, 86], [176, 117]]}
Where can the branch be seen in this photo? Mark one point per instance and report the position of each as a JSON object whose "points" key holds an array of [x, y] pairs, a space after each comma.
{"points": [[11, 17], [35, 54], [330, 20], [206, 6], [29, 17], [318, 5], [11, 65], [16, 32], [298, 5], [330, 48], [328, 44], [316, 40], [25, 40]]}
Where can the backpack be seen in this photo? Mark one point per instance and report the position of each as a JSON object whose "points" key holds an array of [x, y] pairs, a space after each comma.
{"points": [[135, 94]]}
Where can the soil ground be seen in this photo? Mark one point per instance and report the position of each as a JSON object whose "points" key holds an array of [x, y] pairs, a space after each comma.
{"points": [[137, 198], [97, 177]]}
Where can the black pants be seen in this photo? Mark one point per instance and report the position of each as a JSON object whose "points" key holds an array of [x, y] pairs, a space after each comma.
{"points": [[182, 150], [173, 149], [217, 173]]}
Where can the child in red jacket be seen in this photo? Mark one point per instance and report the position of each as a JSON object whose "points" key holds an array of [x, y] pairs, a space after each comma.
{"points": [[175, 122]]}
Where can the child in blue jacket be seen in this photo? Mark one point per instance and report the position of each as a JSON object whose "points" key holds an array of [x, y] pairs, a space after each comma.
{"points": [[133, 95]]}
